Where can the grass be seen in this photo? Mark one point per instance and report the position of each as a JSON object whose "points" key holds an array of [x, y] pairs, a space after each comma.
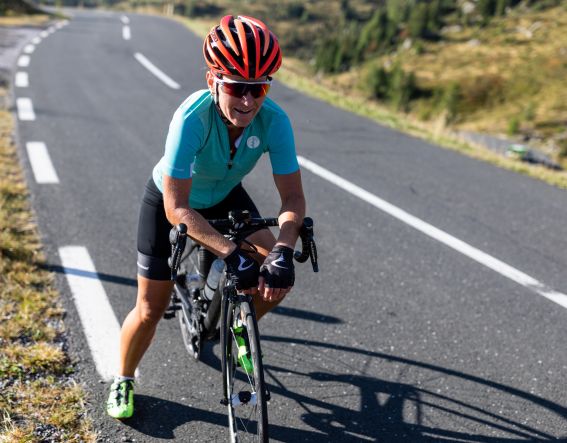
{"points": [[338, 91], [24, 20], [39, 399]]}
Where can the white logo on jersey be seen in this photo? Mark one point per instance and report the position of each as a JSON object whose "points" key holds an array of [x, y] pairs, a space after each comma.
{"points": [[253, 142]]}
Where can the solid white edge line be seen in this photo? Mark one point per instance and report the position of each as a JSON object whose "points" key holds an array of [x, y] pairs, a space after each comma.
{"points": [[25, 109], [125, 20], [24, 61], [99, 322], [28, 49], [437, 234], [155, 71], [126, 34], [41, 164], [21, 80]]}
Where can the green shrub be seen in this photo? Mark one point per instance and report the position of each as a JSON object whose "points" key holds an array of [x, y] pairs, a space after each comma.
{"points": [[449, 100], [402, 88], [562, 144], [514, 125], [417, 24], [378, 82]]}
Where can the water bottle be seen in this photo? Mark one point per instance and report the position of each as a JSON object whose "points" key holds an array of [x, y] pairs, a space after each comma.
{"points": [[217, 269], [194, 283]]}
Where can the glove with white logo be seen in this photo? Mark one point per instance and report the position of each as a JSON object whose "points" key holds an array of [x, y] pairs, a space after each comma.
{"points": [[278, 269], [243, 269]]}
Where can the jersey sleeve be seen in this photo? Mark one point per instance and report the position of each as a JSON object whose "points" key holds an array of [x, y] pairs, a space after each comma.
{"points": [[281, 146], [184, 139]]}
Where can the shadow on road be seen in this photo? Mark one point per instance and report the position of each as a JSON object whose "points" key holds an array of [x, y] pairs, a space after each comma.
{"points": [[172, 415], [305, 315], [385, 411], [402, 412], [89, 274]]}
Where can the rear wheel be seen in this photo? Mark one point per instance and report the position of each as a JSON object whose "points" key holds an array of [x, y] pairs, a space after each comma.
{"points": [[245, 389]]}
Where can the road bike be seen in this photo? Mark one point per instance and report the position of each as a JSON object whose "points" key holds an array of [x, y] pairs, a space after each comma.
{"points": [[201, 298]]}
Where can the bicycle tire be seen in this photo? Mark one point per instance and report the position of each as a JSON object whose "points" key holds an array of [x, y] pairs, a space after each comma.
{"points": [[246, 394]]}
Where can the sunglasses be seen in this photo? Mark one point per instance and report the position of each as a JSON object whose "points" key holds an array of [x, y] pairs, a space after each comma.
{"points": [[240, 89]]}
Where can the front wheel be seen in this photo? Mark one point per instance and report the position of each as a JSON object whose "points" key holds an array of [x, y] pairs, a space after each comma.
{"points": [[245, 390]]}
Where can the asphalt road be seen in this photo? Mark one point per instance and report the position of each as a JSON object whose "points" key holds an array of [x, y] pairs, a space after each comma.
{"points": [[399, 338]]}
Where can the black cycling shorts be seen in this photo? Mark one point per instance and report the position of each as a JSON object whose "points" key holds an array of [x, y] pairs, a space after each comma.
{"points": [[153, 227]]}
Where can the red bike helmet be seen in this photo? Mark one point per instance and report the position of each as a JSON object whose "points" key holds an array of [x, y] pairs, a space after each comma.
{"points": [[242, 46]]}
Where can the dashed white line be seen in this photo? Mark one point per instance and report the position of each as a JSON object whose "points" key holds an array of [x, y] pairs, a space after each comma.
{"points": [[25, 109], [99, 322], [125, 20], [126, 34], [21, 80], [439, 235], [24, 61], [36, 40], [51, 30], [156, 71], [28, 49], [43, 34], [41, 164]]}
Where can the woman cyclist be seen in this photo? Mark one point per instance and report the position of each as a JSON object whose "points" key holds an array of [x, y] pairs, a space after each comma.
{"points": [[215, 138]]}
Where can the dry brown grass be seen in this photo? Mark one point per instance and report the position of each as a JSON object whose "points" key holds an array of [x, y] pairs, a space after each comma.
{"points": [[525, 56], [39, 400], [24, 20]]}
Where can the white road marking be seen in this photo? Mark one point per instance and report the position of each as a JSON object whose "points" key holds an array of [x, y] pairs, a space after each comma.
{"points": [[24, 61], [101, 327], [41, 164], [25, 109], [21, 80], [36, 40], [126, 34], [125, 20], [43, 34], [28, 49], [59, 25], [51, 30], [439, 235], [155, 71]]}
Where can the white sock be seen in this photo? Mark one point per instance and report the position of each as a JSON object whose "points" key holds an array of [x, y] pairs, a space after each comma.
{"points": [[121, 378]]}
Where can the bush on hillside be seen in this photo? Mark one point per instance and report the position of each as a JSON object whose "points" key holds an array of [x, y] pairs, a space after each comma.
{"points": [[396, 86]]}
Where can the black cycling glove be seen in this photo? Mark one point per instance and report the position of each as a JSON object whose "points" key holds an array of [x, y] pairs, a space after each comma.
{"points": [[278, 269], [243, 269]]}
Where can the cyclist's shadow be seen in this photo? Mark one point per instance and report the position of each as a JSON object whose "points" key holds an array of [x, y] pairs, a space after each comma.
{"points": [[394, 412], [171, 416]]}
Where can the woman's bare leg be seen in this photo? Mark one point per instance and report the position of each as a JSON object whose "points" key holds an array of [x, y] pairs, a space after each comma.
{"points": [[140, 325]]}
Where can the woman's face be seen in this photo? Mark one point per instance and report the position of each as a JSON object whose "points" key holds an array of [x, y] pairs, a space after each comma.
{"points": [[239, 111]]}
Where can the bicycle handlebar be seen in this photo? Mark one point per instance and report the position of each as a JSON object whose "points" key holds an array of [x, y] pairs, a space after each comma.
{"points": [[238, 224]]}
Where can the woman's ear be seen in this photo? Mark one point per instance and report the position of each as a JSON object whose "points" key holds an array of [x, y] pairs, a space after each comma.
{"points": [[210, 82]]}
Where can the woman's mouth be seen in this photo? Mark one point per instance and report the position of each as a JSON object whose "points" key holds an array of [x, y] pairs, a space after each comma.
{"points": [[242, 111]]}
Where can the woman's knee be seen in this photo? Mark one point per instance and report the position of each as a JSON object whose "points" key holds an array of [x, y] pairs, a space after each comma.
{"points": [[153, 299]]}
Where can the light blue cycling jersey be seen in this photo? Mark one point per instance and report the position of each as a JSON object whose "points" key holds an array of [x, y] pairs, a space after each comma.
{"points": [[197, 146]]}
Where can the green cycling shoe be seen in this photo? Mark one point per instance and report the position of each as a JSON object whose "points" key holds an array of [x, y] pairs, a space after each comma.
{"points": [[244, 358], [120, 402]]}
